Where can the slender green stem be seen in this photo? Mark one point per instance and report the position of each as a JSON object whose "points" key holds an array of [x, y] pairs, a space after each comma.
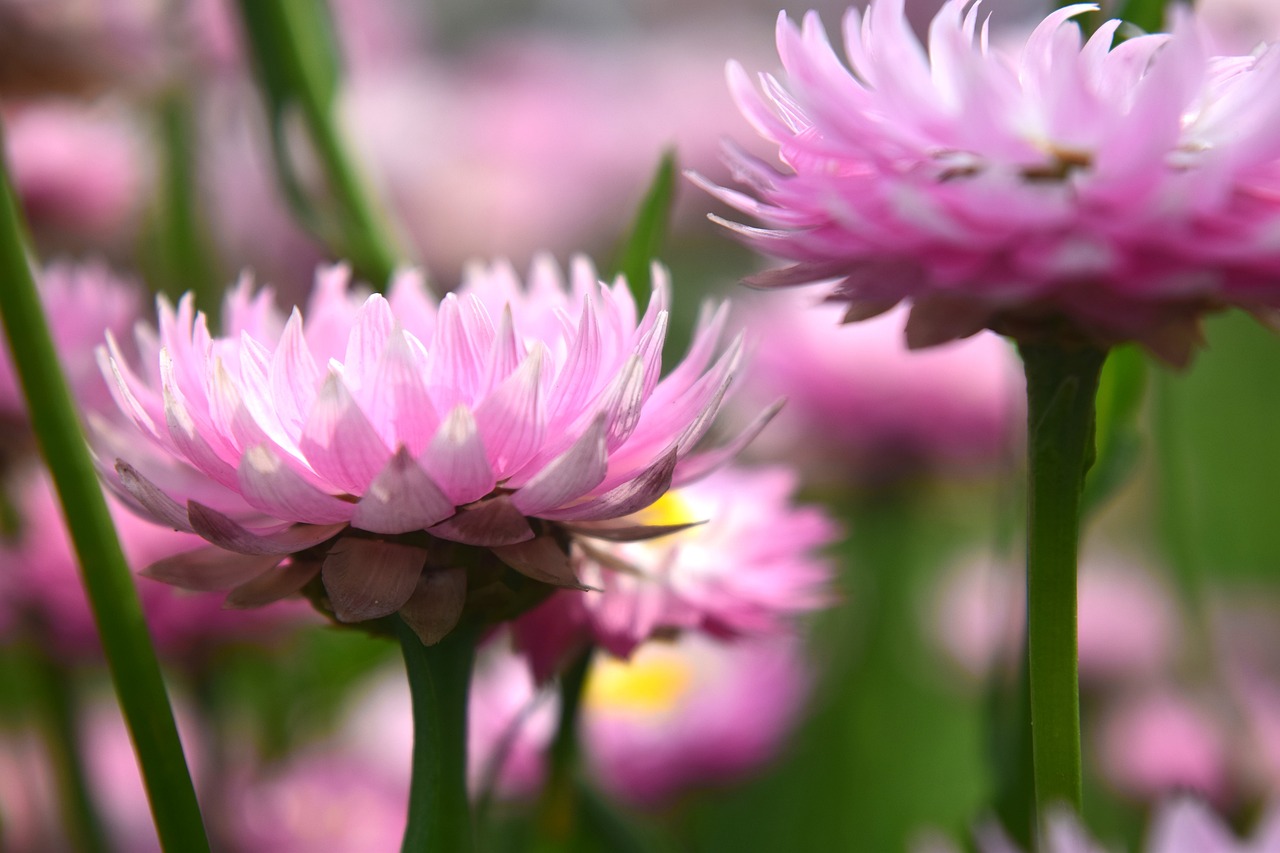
{"points": [[439, 680], [295, 54], [104, 571], [558, 807], [58, 713], [1061, 386]]}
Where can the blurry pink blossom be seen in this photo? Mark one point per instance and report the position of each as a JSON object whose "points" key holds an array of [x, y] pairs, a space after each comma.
{"points": [[750, 566], [81, 303], [41, 587], [857, 396], [1239, 26], [1159, 743], [674, 716], [1062, 190], [82, 172], [504, 416], [1127, 623]]}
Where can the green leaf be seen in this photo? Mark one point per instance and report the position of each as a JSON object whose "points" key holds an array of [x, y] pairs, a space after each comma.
{"points": [[649, 229], [1119, 442]]}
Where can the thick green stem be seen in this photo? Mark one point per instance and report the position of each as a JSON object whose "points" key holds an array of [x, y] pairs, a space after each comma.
{"points": [[1061, 387], [294, 52], [440, 681], [105, 574], [557, 810]]}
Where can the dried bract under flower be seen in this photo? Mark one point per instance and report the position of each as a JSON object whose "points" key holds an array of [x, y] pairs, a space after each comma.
{"points": [[389, 441], [1074, 190]]}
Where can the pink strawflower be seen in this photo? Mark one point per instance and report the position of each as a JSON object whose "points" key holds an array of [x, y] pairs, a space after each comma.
{"points": [[1064, 190], [40, 588], [81, 302], [855, 395], [751, 568], [81, 172], [675, 716], [504, 417]]}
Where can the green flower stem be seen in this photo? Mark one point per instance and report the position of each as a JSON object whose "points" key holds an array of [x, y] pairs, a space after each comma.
{"points": [[57, 709], [439, 681], [105, 574], [1062, 385], [295, 54]]}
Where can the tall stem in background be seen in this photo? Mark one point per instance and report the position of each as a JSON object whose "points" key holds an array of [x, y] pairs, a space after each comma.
{"points": [[104, 572]]}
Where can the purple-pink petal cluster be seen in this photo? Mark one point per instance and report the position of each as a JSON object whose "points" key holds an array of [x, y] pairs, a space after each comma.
{"points": [[1094, 190], [751, 564], [480, 418]]}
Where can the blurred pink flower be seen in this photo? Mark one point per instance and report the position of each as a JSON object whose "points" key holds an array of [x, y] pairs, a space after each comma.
{"points": [[676, 715], [1127, 625], [81, 302], [40, 587], [856, 395], [82, 172], [751, 568], [1062, 190], [1158, 743], [1239, 26], [502, 416]]}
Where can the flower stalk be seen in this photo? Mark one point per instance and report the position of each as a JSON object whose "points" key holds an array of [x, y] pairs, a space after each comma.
{"points": [[108, 584], [1062, 385], [440, 683]]}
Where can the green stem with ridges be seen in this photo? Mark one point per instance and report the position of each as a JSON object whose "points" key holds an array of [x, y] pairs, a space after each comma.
{"points": [[440, 683], [131, 658], [1062, 385]]}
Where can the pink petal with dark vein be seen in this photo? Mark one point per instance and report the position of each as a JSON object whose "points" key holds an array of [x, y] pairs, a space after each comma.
{"points": [[492, 522], [271, 586], [570, 475], [436, 605], [230, 534], [632, 496], [614, 532], [158, 505], [401, 498], [511, 419], [370, 578], [698, 465], [269, 483], [210, 569]]}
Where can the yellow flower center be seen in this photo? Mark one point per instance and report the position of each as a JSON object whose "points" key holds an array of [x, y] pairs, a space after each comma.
{"points": [[671, 508], [648, 684]]}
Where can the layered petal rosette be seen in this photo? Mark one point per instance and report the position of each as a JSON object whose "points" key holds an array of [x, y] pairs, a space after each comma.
{"points": [[744, 559], [1082, 190], [412, 451]]}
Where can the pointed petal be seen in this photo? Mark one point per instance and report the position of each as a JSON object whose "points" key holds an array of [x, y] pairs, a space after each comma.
{"points": [[270, 484], [280, 582], [455, 459], [626, 532], [158, 505], [542, 559], [210, 569], [397, 400], [370, 578], [401, 498], [511, 420], [572, 474], [227, 533], [339, 442], [632, 496], [698, 465], [492, 522], [436, 605]]}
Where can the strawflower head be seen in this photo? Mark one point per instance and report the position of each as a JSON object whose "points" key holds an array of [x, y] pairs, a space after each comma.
{"points": [[749, 566], [1068, 189], [417, 454]]}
